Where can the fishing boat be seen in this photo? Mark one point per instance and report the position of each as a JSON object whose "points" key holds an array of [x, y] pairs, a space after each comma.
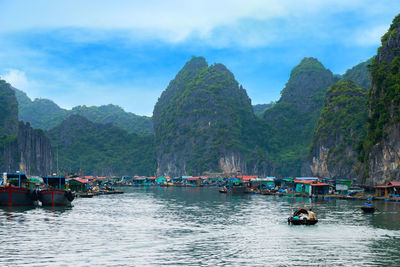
{"points": [[56, 192], [367, 207], [86, 195], [233, 186], [17, 190], [301, 217]]}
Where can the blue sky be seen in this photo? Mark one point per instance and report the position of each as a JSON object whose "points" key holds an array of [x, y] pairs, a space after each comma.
{"points": [[126, 52]]}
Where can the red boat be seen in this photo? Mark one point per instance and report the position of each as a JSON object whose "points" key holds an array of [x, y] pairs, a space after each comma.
{"points": [[56, 193], [17, 190]]}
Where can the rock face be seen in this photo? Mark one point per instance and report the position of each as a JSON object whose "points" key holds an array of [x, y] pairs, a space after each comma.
{"points": [[381, 150], [294, 117], [23, 148], [340, 129], [203, 122]]}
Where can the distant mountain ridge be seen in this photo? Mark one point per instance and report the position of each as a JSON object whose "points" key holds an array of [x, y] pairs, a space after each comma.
{"points": [[101, 149], [45, 114]]}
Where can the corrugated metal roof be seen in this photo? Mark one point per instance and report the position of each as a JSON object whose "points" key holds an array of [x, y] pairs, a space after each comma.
{"points": [[83, 181], [395, 183]]}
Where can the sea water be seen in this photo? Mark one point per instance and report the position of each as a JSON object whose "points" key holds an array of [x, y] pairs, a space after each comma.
{"points": [[198, 226]]}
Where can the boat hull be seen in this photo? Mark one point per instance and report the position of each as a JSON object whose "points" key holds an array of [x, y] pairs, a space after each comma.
{"points": [[368, 209], [302, 222], [16, 196], [54, 197]]}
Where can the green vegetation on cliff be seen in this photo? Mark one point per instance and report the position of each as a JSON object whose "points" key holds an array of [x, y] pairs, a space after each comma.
{"points": [[40, 113], [101, 149], [203, 116], [344, 114], [294, 117], [117, 116], [342, 127], [384, 96], [359, 74], [8, 119], [259, 109]]}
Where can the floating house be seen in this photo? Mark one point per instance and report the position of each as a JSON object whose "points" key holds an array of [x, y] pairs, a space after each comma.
{"points": [[78, 185], [161, 180], [262, 183], [311, 186], [247, 178], [391, 189], [194, 181], [342, 186]]}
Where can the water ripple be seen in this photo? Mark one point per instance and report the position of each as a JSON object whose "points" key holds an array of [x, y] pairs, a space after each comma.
{"points": [[198, 227]]}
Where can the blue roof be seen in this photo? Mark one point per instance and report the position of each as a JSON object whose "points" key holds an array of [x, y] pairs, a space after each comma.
{"points": [[306, 178]]}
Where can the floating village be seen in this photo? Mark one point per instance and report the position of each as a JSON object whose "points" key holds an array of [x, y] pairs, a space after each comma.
{"points": [[18, 189]]}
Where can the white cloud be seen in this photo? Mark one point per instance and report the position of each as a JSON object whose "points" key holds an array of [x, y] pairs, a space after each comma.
{"points": [[17, 79], [370, 36], [176, 20]]}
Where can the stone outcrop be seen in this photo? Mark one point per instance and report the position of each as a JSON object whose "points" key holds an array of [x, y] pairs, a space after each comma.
{"points": [[340, 129], [382, 145], [203, 122], [23, 148]]}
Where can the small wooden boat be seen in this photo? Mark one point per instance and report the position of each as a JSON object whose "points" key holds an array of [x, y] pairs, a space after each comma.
{"points": [[296, 220], [86, 195], [223, 191], [368, 209]]}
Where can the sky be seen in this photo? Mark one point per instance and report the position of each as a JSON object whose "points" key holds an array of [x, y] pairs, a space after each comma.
{"points": [[126, 52]]}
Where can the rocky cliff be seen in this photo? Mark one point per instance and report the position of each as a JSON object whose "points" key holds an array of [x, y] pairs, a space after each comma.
{"points": [[381, 149], [340, 129], [204, 122], [294, 117], [22, 147]]}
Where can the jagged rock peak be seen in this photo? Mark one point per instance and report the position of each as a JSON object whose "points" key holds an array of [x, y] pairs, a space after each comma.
{"points": [[307, 64], [307, 84]]}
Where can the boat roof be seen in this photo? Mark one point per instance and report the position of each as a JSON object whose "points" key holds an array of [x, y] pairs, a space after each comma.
{"points": [[53, 177], [80, 180], [16, 175]]}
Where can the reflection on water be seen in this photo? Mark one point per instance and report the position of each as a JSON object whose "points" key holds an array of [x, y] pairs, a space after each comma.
{"points": [[198, 226]]}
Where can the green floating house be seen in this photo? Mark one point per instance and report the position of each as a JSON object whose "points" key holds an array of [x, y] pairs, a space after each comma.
{"points": [[311, 187], [78, 185]]}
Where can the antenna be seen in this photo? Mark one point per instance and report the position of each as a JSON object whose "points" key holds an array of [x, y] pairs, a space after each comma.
{"points": [[57, 161]]}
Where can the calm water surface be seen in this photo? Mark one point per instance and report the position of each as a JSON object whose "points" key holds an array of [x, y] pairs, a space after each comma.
{"points": [[198, 226]]}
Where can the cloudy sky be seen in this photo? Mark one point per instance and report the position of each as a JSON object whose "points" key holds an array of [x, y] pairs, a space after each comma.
{"points": [[126, 52]]}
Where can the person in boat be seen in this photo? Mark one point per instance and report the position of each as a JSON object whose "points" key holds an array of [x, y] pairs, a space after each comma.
{"points": [[368, 203], [311, 214]]}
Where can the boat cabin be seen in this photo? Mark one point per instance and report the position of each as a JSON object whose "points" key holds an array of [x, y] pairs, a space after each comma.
{"points": [[20, 179], [57, 182]]}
